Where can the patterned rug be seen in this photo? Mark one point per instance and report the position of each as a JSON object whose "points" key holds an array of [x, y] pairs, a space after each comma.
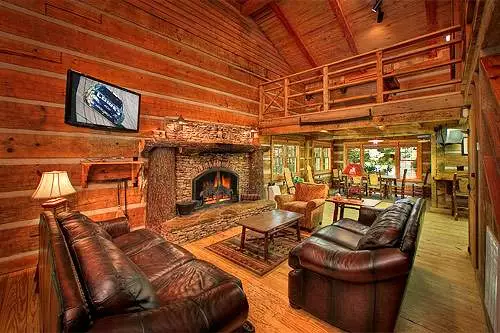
{"points": [[252, 257]]}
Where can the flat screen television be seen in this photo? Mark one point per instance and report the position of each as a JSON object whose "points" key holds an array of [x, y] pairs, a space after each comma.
{"points": [[93, 103]]}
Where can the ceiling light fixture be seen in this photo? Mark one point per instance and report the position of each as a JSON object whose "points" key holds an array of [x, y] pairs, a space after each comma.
{"points": [[376, 141], [447, 38], [324, 131], [377, 5], [380, 15]]}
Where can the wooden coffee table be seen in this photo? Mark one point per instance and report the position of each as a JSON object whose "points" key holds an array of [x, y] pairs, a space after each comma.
{"points": [[341, 202], [269, 223]]}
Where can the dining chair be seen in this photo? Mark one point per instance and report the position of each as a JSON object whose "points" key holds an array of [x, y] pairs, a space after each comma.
{"points": [[459, 196], [337, 182], [400, 190], [422, 190], [375, 184], [355, 188]]}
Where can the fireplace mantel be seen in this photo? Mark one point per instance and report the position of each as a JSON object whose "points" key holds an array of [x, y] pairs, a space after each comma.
{"points": [[200, 148]]}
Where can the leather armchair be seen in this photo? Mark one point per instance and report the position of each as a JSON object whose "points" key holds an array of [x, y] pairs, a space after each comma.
{"points": [[340, 275], [309, 199]]}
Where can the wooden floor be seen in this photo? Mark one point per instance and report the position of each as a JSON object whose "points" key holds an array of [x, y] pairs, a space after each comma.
{"points": [[442, 295]]}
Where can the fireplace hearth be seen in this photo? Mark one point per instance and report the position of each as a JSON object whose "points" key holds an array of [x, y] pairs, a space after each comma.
{"points": [[215, 185]]}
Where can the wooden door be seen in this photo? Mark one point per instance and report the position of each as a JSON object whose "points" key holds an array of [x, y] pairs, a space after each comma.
{"points": [[473, 168]]}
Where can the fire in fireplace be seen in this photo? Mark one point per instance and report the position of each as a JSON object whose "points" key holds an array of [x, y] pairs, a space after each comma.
{"points": [[215, 186]]}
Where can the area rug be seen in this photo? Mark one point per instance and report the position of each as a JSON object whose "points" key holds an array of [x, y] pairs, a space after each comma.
{"points": [[252, 257]]}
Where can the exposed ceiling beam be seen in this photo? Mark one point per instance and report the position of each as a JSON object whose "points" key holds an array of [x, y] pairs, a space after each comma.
{"points": [[251, 6], [337, 9], [277, 11]]}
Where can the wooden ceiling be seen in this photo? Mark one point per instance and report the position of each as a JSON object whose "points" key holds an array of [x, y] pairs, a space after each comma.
{"points": [[309, 33]]}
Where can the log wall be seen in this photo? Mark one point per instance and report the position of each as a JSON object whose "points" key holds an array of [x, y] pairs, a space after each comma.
{"points": [[198, 59]]}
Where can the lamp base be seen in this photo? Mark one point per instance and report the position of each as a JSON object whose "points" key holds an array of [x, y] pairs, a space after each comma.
{"points": [[56, 205]]}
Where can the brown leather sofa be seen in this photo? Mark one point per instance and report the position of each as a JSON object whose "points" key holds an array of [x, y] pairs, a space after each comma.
{"points": [[309, 199], [101, 277], [353, 274]]}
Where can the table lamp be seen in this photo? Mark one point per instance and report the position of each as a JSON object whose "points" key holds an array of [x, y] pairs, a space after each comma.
{"points": [[53, 186], [353, 169]]}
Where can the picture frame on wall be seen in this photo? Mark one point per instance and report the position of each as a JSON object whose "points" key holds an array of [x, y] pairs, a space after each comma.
{"points": [[465, 146]]}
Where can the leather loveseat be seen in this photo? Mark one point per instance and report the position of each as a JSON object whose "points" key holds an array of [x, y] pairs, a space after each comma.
{"points": [[309, 200], [353, 274], [101, 277]]}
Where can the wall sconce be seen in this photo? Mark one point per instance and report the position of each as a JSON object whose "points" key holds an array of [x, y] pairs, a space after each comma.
{"points": [[254, 133], [179, 123]]}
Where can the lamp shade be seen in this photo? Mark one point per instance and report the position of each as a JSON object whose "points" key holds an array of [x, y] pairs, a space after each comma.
{"points": [[54, 184], [353, 169]]}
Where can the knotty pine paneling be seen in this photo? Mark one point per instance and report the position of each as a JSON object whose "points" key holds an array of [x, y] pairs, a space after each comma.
{"points": [[203, 61]]}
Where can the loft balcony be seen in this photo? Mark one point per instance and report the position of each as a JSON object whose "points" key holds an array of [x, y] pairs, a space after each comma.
{"points": [[402, 83]]}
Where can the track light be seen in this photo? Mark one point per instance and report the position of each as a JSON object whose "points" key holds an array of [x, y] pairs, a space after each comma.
{"points": [[380, 15], [377, 6]]}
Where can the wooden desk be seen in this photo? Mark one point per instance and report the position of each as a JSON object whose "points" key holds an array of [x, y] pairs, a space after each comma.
{"points": [[341, 202]]}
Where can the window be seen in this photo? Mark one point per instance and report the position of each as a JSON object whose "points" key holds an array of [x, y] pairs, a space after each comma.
{"points": [[285, 156], [278, 159], [321, 158], [354, 155], [390, 158], [380, 160], [292, 158], [317, 158], [408, 161], [326, 158]]}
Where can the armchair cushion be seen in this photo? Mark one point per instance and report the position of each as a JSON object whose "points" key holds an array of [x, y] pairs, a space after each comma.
{"points": [[281, 199], [295, 206], [307, 192], [387, 229]]}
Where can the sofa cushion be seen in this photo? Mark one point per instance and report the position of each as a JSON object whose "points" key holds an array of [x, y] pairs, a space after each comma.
{"points": [[137, 241], [218, 294], [343, 237], [386, 230], [352, 225], [295, 206], [190, 280], [160, 259], [411, 230], [112, 282], [306, 192], [77, 226]]}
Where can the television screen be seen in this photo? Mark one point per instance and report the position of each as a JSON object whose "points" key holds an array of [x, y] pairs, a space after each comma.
{"points": [[94, 103]]}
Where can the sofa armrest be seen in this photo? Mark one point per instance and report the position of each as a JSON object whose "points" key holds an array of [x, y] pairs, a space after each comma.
{"points": [[115, 227], [181, 316], [354, 266], [367, 215], [315, 203], [281, 199]]}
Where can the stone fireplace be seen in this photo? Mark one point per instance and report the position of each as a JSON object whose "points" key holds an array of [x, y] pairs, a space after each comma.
{"points": [[212, 163], [215, 185]]}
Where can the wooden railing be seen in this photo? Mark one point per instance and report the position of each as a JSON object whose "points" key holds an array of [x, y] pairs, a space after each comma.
{"points": [[371, 77]]}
